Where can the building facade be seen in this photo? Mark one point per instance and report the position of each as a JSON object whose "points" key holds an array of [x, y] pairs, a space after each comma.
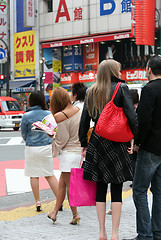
{"points": [[75, 36], [55, 42]]}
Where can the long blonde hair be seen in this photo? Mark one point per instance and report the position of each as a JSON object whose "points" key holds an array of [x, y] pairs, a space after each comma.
{"points": [[99, 92]]}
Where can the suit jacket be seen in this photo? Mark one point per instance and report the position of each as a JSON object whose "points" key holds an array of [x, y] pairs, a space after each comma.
{"points": [[149, 117]]}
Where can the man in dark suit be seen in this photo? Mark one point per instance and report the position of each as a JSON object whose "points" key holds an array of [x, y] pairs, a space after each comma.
{"points": [[148, 166]]}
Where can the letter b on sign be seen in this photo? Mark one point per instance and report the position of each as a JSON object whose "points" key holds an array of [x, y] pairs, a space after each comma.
{"points": [[107, 7]]}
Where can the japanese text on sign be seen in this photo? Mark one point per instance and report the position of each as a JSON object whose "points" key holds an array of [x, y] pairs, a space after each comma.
{"points": [[3, 23], [24, 53]]}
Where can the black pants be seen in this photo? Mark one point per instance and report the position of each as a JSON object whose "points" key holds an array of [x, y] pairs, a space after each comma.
{"points": [[116, 192]]}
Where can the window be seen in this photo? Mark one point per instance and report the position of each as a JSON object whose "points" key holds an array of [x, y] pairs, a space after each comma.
{"points": [[50, 5], [10, 106]]}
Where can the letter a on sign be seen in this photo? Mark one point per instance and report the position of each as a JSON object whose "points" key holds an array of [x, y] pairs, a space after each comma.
{"points": [[64, 13]]}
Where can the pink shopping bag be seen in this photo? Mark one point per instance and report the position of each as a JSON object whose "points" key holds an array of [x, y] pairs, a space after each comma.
{"points": [[82, 192]]}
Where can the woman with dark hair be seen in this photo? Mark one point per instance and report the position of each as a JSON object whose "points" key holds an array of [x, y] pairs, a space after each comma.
{"points": [[38, 149], [66, 144]]}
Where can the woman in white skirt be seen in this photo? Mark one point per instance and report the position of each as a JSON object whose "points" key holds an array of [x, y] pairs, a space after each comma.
{"points": [[66, 144], [38, 149]]}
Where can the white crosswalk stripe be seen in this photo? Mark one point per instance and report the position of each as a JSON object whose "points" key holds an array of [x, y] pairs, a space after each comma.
{"points": [[7, 141], [15, 141], [17, 183]]}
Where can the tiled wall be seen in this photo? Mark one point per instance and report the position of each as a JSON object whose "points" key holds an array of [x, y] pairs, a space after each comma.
{"points": [[114, 22]]}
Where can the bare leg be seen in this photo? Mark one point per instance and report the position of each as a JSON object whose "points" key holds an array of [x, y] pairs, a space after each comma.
{"points": [[34, 181], [60, 198], [66, 177], [101, 210], [53, 183], [116, 213]]}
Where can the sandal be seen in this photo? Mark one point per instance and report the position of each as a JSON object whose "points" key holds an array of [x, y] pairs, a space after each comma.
{"points": [[109, 212], [50, 216], [75, 220], [38, 206]]}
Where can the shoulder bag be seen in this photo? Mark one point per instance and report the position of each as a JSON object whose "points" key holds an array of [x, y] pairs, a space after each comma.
{"points": [[112, 123]]}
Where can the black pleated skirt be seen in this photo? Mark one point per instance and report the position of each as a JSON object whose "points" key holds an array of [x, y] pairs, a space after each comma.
{"points": [[107, 161]]}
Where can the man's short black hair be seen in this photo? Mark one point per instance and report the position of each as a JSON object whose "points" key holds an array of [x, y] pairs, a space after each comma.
{"points": [[79, 89], [155, 64]]}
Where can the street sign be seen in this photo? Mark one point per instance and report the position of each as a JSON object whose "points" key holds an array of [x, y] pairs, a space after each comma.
{"points": [[2, 53]]}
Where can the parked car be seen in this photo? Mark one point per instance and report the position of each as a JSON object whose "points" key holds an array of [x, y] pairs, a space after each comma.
{"points": [[10, 113]]}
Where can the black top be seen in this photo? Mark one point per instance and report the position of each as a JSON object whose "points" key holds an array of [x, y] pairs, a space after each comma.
{"points": [[123, 99], [149, 117]]}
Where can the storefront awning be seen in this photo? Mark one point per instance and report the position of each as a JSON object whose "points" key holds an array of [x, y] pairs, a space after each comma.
{"points": [[20, 83], [99, 38]]}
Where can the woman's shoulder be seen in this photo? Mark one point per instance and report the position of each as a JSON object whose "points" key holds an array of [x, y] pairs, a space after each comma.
{"points": [[59, 117], [66, 114]]}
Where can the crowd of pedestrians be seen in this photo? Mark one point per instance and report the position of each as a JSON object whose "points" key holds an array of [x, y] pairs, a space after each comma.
{"points": [[106, 162]]}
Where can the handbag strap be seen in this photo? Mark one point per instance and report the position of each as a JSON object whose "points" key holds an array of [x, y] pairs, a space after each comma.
{"points": [[81, 161], [115, 91]]}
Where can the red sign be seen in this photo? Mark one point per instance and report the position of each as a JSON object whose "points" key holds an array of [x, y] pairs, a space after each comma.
{"points": [[89, 76], [60, 13], [145, 22], [77, 41], [48, 77], [134, 75], [91, 55], [68, 78], [78, 14]]}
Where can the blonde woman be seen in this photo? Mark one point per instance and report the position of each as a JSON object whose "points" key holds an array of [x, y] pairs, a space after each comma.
{"points": [[66, 144], [107, 161]]}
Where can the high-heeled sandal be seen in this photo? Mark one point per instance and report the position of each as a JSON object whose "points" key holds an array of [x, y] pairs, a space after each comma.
{"points": [[75, 220], [109, 212], [50, 217], [38, 206]]}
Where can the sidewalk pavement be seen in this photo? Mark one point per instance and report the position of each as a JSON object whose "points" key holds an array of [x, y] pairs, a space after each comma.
{"points": [[23, 222]]}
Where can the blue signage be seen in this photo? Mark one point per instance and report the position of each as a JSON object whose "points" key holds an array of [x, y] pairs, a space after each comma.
{"points": [[67, 58], [78, 57], [20, 17], [126, 6], [107, 7], [47, 54], [2, 53]]}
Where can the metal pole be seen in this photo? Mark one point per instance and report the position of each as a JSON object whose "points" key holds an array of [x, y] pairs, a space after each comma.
{"points": [[8, 66], [160, 38]]}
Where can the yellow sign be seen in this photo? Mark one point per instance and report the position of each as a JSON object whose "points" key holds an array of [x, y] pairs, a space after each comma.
{"points": [[24, 54], [56, 65]]}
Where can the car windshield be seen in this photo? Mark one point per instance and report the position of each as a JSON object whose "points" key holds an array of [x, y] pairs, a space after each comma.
{"points": [[11, 106]]}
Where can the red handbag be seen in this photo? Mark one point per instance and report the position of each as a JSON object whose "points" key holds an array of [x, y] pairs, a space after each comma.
{"points": [[112, 123]]}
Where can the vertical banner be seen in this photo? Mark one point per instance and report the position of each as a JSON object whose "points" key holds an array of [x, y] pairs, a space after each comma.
{"points": [[29, 13], [48, 70], [68, 58], [57, 65], [78, 57], [20, 17], [24, 54], [48, 62], [3, 23], [145, 22], [91, 56]]}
